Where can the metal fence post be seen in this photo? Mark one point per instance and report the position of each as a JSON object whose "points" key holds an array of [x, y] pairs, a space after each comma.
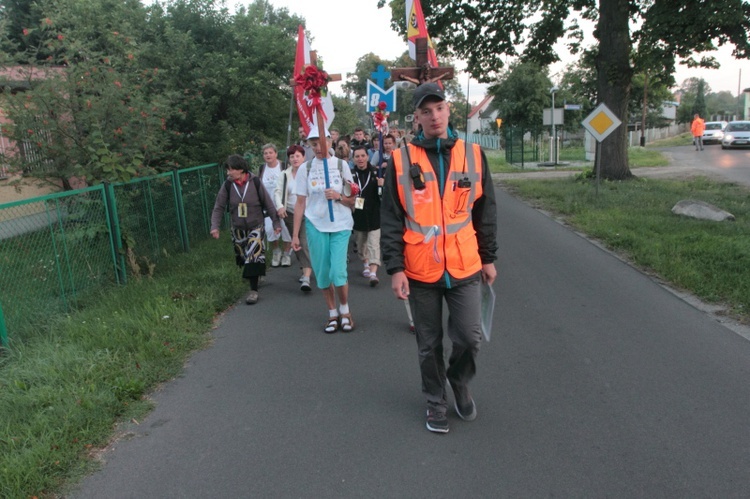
{"points": [[115, 241], [180, 209], [3, 330]]}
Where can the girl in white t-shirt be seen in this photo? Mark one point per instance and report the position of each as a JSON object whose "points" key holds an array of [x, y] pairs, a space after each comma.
{"points": [[328, 240]]}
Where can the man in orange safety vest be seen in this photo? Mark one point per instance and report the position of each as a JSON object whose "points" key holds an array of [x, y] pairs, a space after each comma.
{"points": [[438, 241]]}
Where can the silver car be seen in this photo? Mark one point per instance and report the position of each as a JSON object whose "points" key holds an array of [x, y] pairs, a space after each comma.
{"points": [[714, 131], [736, 134]]}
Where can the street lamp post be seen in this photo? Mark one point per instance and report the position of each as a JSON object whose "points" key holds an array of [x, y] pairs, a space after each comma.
{"points": [[554, 131]]}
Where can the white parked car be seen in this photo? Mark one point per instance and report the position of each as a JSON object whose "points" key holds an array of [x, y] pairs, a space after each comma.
{"points": [[736, 134], [714, 131]]}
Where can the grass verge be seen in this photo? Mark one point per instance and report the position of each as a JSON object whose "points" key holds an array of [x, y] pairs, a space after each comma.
{"points": [[634, 218], [62, 391], [638, 157], [683, 139]]}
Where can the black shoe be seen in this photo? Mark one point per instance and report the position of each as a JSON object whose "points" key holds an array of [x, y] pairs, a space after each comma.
{"points": [[465, 406], [437, 421]]}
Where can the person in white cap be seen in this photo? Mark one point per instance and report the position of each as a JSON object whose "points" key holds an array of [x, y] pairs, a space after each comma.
{"points": [[328, 240]]}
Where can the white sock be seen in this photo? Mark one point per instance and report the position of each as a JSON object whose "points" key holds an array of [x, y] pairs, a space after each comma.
{"points": [[344, 308], [333, 313]]}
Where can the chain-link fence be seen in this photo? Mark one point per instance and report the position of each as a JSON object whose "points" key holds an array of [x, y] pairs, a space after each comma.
{"points": [[56, 251]]}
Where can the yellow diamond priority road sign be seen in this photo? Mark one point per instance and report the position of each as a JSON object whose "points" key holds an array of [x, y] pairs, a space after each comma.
{"points": [[601, 122]]}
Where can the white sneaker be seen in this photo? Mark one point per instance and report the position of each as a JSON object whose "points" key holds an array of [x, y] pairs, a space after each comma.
{"points": [[366, 272], [286, 260], [276, 260], [305, 286]]}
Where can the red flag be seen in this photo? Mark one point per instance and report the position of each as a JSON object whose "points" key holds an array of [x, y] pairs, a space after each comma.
{"points": [[416, 28], [304, 106], [300, 60]]}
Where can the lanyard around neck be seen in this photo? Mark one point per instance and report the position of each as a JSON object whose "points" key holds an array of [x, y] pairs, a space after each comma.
{"points": [[242, 196], [361, 187]]}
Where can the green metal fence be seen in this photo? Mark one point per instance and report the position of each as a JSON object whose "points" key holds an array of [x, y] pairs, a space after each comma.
{"points": [[521, 147], [57, 251]]}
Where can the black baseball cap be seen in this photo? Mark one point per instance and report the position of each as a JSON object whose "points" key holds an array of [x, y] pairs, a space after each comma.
{"points": [[426, 90]]}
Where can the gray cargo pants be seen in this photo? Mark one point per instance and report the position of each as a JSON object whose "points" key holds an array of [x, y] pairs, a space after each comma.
{"points": [[464, 331]]}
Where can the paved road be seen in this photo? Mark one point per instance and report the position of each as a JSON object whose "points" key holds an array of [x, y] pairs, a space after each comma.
{"points": [[732, 165], [598, 382]]}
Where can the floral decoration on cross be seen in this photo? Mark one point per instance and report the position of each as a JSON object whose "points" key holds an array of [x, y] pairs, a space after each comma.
{"points": [[380, 118], [315, 83]]}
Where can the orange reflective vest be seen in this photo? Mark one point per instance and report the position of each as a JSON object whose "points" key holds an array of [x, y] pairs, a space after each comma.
{"points": [[439, 235], [698, 126]]}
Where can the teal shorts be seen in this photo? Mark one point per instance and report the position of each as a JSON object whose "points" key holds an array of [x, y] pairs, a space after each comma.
{"points": [[328, 255]]}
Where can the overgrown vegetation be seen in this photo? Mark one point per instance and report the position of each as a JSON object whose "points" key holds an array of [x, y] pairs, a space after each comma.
{"points": [[108, 90], [709, 259], [62, 390]]}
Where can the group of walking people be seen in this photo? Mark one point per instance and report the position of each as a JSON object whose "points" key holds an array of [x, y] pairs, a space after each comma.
{"points": [[431, 215]]}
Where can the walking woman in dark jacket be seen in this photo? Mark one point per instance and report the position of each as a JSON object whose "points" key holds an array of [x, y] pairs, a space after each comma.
{"points": [[244, 196]]}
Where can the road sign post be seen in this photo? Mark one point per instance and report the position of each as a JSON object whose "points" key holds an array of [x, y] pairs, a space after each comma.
{"points": [[600, 123]]}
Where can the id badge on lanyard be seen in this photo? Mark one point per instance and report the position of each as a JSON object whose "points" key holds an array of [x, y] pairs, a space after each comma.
{"points": [[242, 207], [359, 203]]}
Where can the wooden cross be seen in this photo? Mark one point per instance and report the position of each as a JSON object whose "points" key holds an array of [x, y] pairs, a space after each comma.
{"points": [[318, 114], [423, 73], [322, 132]]}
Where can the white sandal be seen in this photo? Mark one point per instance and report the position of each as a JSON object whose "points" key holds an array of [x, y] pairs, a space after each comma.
{"points": [[347, 323], [332, 326]]}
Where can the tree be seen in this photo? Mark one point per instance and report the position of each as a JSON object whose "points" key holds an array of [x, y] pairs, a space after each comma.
{"points": [[459, 111], [578, 86], [521, 96], [366, 65], [721, 104], [173, 84], [89, 110], [699, 106], [485, 34], [688, 96], [347, 118], [231, 74]]}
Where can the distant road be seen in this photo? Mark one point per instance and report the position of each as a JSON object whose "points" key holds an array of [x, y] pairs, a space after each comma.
{"points": [[731, 165]]}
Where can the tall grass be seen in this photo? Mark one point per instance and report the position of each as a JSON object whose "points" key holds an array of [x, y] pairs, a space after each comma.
{"points": [[62, 390], [709, 259]]}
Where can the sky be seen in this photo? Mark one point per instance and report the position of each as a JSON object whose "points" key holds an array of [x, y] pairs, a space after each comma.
{"points": [[343, 32]]}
